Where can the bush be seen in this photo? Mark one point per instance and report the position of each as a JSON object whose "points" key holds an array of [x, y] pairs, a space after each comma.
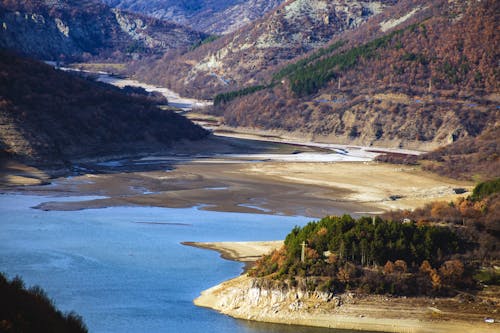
{"points": [[485, 189]]}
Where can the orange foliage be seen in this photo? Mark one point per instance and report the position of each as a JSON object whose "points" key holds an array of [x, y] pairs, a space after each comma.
{"points": [[389, 267], [400, 266]]}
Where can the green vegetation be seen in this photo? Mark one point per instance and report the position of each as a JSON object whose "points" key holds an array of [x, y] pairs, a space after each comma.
{"points": [[490, 276], [308, 79], [371, 255], [285, 71], [310, 74], [206, 40], [229, 96], [484, 189], [374, 242], [296, 66], [30, 310], [434, 250]]}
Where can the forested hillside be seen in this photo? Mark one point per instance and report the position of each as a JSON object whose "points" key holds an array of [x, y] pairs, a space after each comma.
{"points": [[52, 117], [438, 249], [31, 310], [243, 57], [421, 74], [86, 30]]}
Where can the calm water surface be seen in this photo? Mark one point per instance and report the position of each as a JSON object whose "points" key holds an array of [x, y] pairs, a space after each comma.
{"points": [[124, 275]]}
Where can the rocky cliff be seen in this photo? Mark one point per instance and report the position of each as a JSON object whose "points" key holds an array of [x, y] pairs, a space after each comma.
{"points": [[210, 16], [241, 58], [48, 117], [83, 30], [256, 299], [251, 299]]}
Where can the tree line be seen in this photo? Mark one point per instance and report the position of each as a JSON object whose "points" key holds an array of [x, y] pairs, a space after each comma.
{"points": [[401, 253]]}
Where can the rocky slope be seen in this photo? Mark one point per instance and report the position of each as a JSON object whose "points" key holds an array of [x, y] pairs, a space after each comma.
{"points": [[422, 74], [83, 30], [252, 299], [239, 59], [48, 117], [210, 16]]}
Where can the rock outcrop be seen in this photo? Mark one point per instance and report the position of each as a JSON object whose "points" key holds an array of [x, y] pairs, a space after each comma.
{"points": [[255, 299], [246, 298], [83, 30], [242, 58], [209, 16]]}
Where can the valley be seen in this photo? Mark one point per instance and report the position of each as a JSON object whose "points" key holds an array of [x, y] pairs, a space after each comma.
{"points": [[344, 155]]}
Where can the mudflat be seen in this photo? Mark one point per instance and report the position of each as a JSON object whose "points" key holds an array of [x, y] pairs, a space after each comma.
{"points": [[251, 176]]}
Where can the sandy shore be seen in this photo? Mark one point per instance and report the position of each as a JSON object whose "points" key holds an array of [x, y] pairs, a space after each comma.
{"points": [[239, 251], [237, 298]]}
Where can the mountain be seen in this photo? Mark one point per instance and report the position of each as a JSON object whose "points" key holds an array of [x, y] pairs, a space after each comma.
{"points": [[49, 117], [422, 74], [240, 59], [210, 16], [83, 30]]}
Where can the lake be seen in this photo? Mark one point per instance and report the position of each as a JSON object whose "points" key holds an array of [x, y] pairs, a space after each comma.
{"points": [[123, 268]]}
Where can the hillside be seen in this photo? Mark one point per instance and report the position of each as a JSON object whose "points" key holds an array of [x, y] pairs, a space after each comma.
{"points": [[439, 249], [48, 117], [31, 310], [209, 16], [242, 58], [85, 30], [422, 74], [473, 157]]}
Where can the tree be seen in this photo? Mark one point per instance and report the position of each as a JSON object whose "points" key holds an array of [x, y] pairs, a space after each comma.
{"points": [[451, 272], [388, 267], [435, 279]]}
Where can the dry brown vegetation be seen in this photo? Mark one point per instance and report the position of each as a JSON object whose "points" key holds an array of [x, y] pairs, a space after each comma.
{"points": [[477, 157], [249, 55], [48, 116], [428, 82]]}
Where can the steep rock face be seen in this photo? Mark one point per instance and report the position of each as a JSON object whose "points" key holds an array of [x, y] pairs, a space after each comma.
{"points": [[240, 58], [52, 117], [255, 299], [210, 16], [76, 30], [422, 74]]}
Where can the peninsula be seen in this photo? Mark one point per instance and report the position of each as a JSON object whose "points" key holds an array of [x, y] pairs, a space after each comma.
{"points": [[242, 298], [438, 276]]}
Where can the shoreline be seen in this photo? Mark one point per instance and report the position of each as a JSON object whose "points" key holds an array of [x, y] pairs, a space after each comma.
{"points": [[245, 252], [240, 298], [231, 183]]}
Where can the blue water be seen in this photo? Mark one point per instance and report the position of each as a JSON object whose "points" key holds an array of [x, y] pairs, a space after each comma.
{"points": [[123, 275]]}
